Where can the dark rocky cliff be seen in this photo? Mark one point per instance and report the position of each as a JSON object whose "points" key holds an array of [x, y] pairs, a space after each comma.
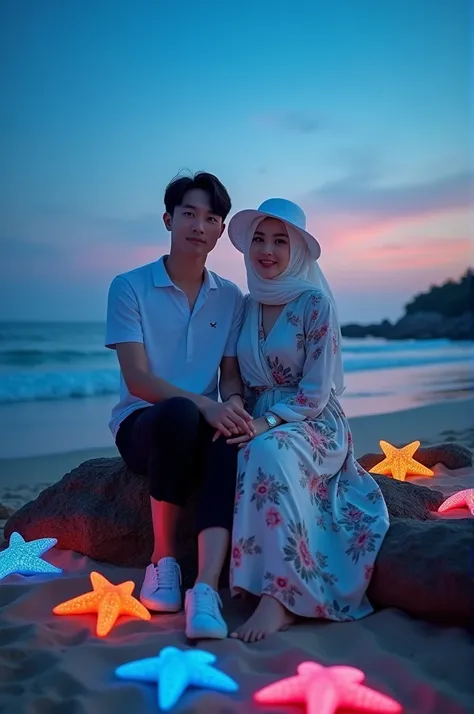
{"points": [[444, 311]]}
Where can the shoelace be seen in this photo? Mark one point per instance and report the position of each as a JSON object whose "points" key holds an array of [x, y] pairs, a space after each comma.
{"points": [[206, 602], [166, 575]]}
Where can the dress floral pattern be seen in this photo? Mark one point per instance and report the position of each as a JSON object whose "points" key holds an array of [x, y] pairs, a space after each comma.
{"points": [[308, 519]]}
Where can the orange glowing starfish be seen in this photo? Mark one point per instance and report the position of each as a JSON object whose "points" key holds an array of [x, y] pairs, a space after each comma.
{"points": [[108, 601], [399, 462]]}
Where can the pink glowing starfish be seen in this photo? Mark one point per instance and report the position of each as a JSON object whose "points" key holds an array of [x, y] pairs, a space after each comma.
{"points": [[458, 500], [326, 689]]}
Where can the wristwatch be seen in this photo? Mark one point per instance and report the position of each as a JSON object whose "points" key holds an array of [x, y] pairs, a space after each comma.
{"points": [[271, 420]]}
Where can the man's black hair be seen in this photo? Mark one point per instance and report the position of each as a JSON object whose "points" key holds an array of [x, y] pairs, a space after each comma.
{"points": [[219, 199]]}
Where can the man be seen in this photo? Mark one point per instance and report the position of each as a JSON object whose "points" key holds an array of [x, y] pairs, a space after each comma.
{"points": [[175, 327]]}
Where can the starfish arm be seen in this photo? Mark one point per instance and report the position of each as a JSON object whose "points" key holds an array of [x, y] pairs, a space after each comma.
{"points": [[399, 470], [363, 699], [127, 588], [9, 565], [23, 564], [40, 546], [346, 675], [81, 605], [132, 607], [292, 689], [99, 582], [107, 613], [141, 670], [309, 669], [322, 696], [414, 467], [197, 657], [410, 449], [16, 538], [41, 566], [6, 566], [210, 678], [457, 500], [383, 468], [173, 681]]}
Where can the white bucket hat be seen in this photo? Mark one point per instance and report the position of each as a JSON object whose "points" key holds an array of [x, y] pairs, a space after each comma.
{"points": [[280, 208]]}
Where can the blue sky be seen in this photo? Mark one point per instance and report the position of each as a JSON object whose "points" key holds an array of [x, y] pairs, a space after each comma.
{"points": [[359, 110]]}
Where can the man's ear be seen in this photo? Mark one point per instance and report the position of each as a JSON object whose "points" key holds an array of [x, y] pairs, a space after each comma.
{"points": [[167, 220], [222, 230]]}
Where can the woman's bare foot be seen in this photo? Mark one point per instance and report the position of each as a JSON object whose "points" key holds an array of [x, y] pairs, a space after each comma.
{"points": [[269, 617]]}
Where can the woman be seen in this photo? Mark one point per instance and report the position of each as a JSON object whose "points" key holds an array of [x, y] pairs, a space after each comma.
{"points": [[309, 521]]}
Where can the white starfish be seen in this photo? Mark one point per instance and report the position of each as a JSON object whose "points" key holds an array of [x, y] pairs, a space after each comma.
{"points": [[174, 671], [24, 557]]}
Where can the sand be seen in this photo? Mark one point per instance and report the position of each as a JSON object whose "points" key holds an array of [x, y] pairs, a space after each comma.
{"points": [[51, 664]]}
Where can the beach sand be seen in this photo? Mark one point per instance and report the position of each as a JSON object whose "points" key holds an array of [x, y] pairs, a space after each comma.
{"points": [[51, 664]]}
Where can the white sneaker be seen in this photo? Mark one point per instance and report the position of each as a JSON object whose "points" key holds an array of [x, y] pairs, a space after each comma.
{"points": [[161, 589], [203, 615]]}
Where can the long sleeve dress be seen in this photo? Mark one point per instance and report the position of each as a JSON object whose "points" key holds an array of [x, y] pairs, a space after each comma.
{"points": [[309, 520]]}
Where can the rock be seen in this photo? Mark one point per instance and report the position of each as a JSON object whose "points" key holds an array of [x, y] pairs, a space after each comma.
{"points": [[5, 512], [434, 325], [408, 500], [453, 456], [101, 509], [384, 330], [426, 569]]}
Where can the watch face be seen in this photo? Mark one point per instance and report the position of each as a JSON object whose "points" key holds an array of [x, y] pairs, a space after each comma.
{"points": [[271, 421]]}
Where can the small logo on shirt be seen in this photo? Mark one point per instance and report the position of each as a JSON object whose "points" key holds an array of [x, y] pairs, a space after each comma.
{"points": [[213, 324]]}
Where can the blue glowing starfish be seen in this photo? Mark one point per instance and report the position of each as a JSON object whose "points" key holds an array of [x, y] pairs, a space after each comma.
{"points": [[174, 671], [24, 557]]}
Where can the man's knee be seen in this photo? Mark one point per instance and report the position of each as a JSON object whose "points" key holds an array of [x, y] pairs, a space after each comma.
{"points": [[177, 412]]}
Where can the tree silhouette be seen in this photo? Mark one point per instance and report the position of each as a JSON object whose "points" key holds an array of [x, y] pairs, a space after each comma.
{"points": [[451, 299]]}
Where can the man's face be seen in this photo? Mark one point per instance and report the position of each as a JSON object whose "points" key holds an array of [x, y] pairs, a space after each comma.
{"points": [[195, 229]]}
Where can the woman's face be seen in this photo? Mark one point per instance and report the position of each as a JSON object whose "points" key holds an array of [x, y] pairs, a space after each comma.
{"points": [[270, 248]]}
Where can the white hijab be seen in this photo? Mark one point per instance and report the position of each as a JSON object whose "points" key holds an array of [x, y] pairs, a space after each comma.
{"points": [[300, 275]]}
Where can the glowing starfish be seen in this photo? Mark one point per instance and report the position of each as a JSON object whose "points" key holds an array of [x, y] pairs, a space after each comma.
{"points": [[174, 671], [108, 601], [23, 557], [327, 689], [399, 462], [459, 500]]}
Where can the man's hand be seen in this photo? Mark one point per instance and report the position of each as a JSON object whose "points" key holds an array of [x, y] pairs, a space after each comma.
{"points": [[228, 418], [260, 427]]}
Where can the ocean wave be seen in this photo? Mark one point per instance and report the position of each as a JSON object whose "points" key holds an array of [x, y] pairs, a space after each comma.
{"points": [[51, 386], [35, 357], [394, 361], [76, 384]]}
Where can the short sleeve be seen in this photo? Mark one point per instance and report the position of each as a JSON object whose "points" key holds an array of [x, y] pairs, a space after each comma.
{"points": [[124, 322], [236, 326]]}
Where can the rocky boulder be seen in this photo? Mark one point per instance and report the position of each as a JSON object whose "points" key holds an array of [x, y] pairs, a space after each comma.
{"points": [[101, 509], [426, 568]]}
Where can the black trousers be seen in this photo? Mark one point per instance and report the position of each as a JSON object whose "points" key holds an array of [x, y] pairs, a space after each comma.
{"points": [[171, 443]]}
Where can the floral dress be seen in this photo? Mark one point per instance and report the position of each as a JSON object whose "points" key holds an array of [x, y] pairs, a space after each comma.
{"points": [[309, 520]]}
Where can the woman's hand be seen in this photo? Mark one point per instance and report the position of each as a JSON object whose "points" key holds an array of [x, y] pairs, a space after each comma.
{"points": [[244, 426], [260, 426]]}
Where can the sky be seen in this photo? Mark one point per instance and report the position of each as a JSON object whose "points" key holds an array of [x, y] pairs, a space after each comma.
{"points": [[360, 111]]}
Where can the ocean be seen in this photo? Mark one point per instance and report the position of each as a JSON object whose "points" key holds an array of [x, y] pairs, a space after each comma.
{"points": [[58, 382]]}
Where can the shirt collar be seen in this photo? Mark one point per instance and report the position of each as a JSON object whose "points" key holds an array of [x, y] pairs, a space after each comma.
{"points": [[161, 279]]}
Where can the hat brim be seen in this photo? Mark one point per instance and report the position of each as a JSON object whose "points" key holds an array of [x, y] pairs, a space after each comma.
{"points": [[240, 223]]}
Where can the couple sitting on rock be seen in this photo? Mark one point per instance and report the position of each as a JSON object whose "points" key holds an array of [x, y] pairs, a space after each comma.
{"points": [[273, 460]]}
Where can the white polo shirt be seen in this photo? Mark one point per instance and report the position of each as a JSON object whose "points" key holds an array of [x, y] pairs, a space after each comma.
{"points": [[183, 348]]}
